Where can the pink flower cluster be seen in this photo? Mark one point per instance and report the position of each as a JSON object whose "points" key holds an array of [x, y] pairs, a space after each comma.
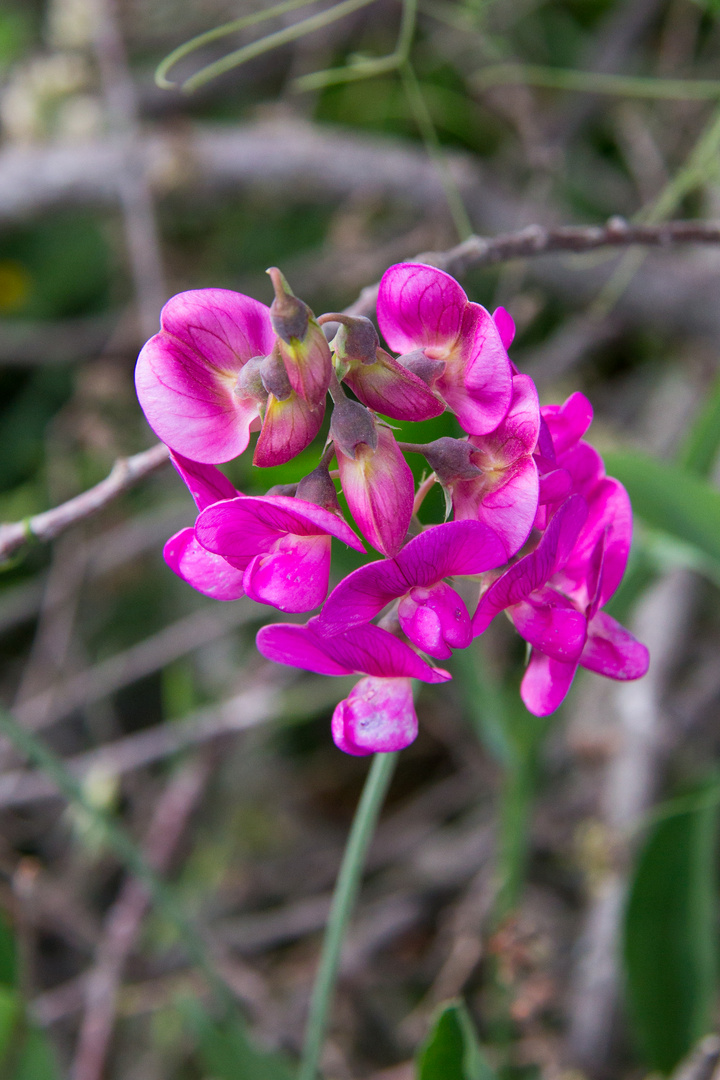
{"points": [[537, 526]]}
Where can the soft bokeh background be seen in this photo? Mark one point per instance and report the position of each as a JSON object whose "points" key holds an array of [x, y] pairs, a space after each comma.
{"points": [[520, 863]]}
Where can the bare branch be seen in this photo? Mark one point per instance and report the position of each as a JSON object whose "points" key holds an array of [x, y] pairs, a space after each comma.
{"points": [[126, 472]]}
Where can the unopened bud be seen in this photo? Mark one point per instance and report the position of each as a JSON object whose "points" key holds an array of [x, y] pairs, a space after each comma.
{"points": [[423, 366], [451, 459], [352, 424], [289, 315], [274, 376], [249, 382], [317, 487], [282, 489], [356, 342]]}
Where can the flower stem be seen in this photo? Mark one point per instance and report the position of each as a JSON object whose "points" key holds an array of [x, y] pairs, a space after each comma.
{"points": [[346, 890]]}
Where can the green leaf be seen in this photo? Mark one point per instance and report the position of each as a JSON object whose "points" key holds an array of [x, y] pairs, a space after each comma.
{"points": [[9, 1015], [451, 1050], [670, 930], [671, 499], [226, 1051], [8, 957], [36, 1060], [701, 447]]}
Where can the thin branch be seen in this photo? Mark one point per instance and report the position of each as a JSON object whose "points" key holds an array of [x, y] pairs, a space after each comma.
{"points": [[126, 472]]}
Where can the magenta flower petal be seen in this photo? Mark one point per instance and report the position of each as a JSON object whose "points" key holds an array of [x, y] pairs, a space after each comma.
{"points": [[379, 489], [288, 427], [535, 569], [509, 508], [613, 651], [208, 573], [419, 306], [477, 380], [435, 619], [239, 529], [551, 623], [568, 422], [555, 486], [389, 388], [364, 650], [455, 548], [293, 576], [517, 435], [186, 375], [609, 513], [206, 483], [377, 716], [506, 326], [546, 683]]}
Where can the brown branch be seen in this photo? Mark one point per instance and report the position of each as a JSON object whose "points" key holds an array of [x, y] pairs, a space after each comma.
{"points": [[126, 472], [122, 924]]}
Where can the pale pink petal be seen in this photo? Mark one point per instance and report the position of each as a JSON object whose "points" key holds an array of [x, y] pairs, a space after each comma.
{"points": [[364, 650], [206, 483], [208, 573], [378, 716], [435, 619], [506, 326], [613, 651], [379, 489], [389, 388], [568, 422], [546, 683], [551, 623], [510, 508], [225, 328], [288, 428], [419, 306], [293, 576], [191, 405]]}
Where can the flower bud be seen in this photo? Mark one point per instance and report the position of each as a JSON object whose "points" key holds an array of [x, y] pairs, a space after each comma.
{"points": [[421, 365], [356, 342], [379, 489], [288, 426], [249, 381], [451, 459], [352, 425], [301, 343], [274, 375], [317, 487]]}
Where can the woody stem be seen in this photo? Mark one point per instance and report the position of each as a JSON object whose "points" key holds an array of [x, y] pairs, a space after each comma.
{"points": [[343, 902]]}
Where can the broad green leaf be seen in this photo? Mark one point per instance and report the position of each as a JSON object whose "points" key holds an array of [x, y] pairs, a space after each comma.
{"points": [[670, 931], [226, 1051], [451, 1050], [702, 444], [8, 957], [670, 499], [9, 1016]]}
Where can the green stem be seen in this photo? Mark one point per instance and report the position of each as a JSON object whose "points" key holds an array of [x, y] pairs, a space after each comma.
{"points": [[124, 849], [346, 890]]}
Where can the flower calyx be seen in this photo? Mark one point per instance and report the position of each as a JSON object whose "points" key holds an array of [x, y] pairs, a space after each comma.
{"points": [[355, 343], [249, 384], [351, 425], [451, 459], [318, 487], [300, 343]]}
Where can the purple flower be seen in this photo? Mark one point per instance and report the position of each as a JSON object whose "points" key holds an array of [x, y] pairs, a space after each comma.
{"points": [[505, 496], [208, 573], [431, 613], [378, 715], [289, 426], [379, 489], [281, 544], [560, 619], [423, 310], [186, 375]]}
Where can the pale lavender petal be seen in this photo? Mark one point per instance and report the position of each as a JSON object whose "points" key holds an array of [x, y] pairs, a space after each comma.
{"points": [[378, 716], [535, 569], [455, 548], [293, 576], [568, 422], [190, 404], [288, 428], [613, 651], [206, 483], [551, 623], [506, 326], [244, 527], [392, 390], [419, 306], [546, 683], [364, 650], [208, 573], [379, 489], [435, 619]]}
